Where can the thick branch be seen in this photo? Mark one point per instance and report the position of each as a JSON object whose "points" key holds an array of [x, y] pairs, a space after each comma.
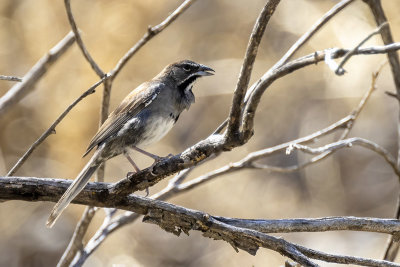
{"points": [[18, 91]]}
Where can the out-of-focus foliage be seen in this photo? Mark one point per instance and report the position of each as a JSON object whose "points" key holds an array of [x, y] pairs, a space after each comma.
{"points": [[352, 182]]}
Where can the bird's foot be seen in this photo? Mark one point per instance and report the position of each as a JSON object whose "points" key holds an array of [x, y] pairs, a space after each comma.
{"points": [[157, 160]]}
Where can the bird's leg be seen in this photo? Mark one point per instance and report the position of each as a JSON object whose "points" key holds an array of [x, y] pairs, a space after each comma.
{"points": [[155, 157], [132, 162], [135, 167]]}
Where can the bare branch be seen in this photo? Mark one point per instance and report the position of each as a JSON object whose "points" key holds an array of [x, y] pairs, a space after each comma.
{"points": [[52, 128], [340, 70], [18, 91], [247, 67], [151, 32], [79, 41], [10, 78]]}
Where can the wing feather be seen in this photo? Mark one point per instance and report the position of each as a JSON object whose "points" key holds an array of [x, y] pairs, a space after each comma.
{"points": [[133, 103]]}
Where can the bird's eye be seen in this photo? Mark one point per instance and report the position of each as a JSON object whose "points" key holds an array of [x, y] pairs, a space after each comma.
{"points": [[186, 68]]}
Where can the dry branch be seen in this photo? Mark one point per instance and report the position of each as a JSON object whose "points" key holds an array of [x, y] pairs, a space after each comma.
{"points": [[79, 41], [151, 32], [18, 91]]}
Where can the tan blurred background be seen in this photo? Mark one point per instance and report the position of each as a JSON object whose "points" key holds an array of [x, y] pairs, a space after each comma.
{"points": [[353, 182]]}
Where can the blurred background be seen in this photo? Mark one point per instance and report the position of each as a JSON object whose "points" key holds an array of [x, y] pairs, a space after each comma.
{"points": [[353, 181]]}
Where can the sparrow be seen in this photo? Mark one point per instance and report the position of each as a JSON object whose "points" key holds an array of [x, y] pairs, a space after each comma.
{"points": [[143, 117]]}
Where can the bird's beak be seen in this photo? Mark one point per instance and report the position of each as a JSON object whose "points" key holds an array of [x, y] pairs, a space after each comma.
{"points": [[204, 71]]}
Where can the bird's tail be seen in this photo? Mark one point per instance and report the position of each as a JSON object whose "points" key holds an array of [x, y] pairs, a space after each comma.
{"points": [[74, 189]]}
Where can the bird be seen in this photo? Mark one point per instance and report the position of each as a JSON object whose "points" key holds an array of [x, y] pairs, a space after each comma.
{"points": [[145, 116]]}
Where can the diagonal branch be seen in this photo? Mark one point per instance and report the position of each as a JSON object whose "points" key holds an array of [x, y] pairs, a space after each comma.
{"points": [[18, 91], [52, 128], [151, 32], [339, 70], [79, 41]]}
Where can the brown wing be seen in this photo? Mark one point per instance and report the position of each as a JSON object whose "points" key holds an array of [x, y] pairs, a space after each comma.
{"points": [[129, 107]]}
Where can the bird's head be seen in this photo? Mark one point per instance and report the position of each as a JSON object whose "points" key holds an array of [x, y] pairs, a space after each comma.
{"points": [[185, 73]]}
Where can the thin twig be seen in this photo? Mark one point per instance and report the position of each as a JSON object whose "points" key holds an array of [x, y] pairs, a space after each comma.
{"points": [[10, 78], [79, 41], [19, 90], [151, 32], [333, 147], [52, 128], [312, 31], [340, 70]]}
